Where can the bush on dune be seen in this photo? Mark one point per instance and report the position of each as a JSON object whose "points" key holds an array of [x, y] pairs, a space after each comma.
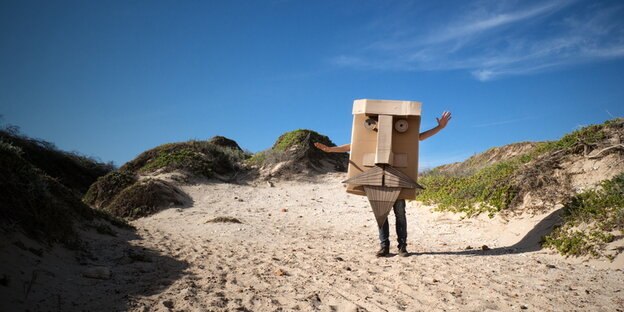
{"points": [[146, 197], [75, 171], [201, 158], [297, 147], [103, 191], [590, 220], [122, 194], [39, 204]]}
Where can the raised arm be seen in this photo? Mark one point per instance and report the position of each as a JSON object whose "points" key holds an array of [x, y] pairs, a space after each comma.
{"points": [[335, 149], [442, 121]]}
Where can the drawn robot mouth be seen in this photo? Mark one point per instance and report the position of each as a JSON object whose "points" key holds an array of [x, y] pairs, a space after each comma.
{"points": [[382, 185]]}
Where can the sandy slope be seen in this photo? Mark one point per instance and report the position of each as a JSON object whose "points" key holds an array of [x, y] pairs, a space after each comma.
{"points": [[318, 255]]}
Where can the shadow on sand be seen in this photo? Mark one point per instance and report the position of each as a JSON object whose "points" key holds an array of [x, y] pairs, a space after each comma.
{"points": [[53, 279], [530, 242]]}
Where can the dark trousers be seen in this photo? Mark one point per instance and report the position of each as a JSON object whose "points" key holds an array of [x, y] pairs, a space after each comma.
{"points": [[401, 226]]}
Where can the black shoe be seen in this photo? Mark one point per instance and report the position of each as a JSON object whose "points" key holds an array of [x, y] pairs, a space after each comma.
{"points": [[403, 251], [383, 251]]}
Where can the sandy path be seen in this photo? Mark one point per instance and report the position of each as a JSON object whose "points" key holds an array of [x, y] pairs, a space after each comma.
{"points": [[319, 256]]}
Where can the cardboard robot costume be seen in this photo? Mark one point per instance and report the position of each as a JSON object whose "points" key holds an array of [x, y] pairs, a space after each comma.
{"points": [[383, 164]]}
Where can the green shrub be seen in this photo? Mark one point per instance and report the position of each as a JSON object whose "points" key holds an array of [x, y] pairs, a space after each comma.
{"points": [[184, 159], [258, 158], [40, 189], [297, 148], [201, 158], [144, 198], [39, 204], [74, 171], [590, 218], [291, 138], [488, 190], [102, 192], [272, 157], [587, 135]]}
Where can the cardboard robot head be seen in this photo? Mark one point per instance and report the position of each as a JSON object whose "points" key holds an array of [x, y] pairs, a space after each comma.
{"points": [[383, 164]]}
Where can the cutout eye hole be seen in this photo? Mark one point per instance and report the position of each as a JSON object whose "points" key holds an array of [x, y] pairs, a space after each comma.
{"points": [[401, 125], [370, 124]]}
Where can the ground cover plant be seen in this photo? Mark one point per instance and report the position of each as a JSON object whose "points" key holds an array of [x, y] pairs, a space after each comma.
{"points": [[591, 220], [502, 185]]}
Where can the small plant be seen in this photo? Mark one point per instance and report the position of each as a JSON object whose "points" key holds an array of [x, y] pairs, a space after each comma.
{"points": [[224, 220], [270, 157], [257, 158]]}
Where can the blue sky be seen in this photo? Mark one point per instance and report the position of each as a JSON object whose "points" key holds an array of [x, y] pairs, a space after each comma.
{"points": [[111, 79]]}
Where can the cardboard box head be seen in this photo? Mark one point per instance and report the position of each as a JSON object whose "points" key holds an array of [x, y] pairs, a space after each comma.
{"points": [[384, 137]]}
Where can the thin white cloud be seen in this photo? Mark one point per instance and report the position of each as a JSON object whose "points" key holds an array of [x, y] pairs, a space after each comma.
{"points": [[491, 41], [484, 23]]}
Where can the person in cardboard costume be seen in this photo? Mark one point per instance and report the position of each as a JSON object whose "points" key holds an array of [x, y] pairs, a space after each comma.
{"points": [[383, 164]]}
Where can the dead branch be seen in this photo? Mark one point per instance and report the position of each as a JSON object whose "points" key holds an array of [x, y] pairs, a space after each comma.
{"points": [[597, 155]]}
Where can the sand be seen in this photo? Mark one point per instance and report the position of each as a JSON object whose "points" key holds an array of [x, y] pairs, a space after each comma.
{"points": [[309, 246]]}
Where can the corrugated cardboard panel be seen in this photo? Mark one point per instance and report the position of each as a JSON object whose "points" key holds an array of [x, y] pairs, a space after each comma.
{"points": [[386, 107], [385, 127], [364, 141]]}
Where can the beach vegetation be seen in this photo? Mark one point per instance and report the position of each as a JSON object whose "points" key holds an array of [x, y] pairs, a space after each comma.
{"points": [[501, 186], [296, 148], [201, 158], [122, 194], [104, 190], [592, 219], [146, 197], [42, 198]]}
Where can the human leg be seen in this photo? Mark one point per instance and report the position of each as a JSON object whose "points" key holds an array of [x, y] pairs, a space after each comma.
{"points": [[401, 221], [384, 239], [401, 226]]}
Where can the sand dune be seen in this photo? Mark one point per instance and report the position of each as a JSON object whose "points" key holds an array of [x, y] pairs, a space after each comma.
{"points": [[309, 246]]}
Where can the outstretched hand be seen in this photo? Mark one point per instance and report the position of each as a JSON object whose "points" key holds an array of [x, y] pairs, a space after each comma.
{"points": [[321, 146], [442, 121]]}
